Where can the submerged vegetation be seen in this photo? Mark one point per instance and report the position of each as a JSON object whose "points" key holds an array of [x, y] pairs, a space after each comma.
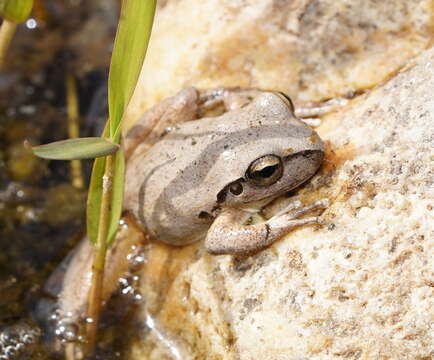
{"points": [[23, 168]]}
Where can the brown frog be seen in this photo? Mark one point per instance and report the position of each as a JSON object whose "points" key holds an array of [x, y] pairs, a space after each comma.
{"points": [[204, 179]]}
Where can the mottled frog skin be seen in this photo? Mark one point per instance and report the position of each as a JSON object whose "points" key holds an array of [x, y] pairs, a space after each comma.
{"points": [[189, 179]]}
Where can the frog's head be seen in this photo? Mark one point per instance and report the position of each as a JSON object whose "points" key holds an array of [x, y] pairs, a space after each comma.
{"points": [[280, 153]]}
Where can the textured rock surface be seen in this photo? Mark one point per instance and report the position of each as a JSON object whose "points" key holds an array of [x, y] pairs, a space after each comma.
{"points": [[310, 49], [361, 287]]}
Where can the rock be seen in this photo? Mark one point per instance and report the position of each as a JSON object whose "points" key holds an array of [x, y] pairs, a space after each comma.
{"points": [[361, 287], [309, 49]]}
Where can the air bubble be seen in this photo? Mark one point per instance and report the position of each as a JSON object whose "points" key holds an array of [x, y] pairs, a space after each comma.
{"points": [[28, 339], [8, 337], [123, 282], [138, 260], [128, 287], [31, 24], [16, 339], [123, 224], [67, 331], [127, 290], [10, 352], [70, 334]]}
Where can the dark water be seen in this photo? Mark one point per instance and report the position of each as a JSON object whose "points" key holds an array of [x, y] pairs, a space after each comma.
{"points": [[41, 212]]}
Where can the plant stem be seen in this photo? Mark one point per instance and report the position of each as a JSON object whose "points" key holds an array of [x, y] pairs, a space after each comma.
{"points": [[7, 31], [95, 294], [73, 128]]}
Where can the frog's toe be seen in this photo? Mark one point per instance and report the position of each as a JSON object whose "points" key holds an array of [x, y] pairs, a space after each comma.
{"points": [[299, 210]]}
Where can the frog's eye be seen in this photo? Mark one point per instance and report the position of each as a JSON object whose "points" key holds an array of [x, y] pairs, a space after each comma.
{"points": [[265, 171]]}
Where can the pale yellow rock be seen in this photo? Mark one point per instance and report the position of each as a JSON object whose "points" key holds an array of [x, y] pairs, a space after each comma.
{"points": [[361, 287], [309, 49]]}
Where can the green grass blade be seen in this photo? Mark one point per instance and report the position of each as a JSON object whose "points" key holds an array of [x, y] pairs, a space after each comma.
{"points": [[77, 148], [94, 196], [15, 10], [117, 195], [129, 51]]}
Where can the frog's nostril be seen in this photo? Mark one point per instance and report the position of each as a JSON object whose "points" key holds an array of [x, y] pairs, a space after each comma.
{"points": [[236, 188], [204, 215]]}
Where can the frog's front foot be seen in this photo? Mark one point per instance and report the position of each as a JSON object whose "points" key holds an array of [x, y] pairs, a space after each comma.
{"points": [[227, 236], [289, 218]]}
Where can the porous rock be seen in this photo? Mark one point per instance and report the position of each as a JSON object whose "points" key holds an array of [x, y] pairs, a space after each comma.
{"points": [[360, 287]]}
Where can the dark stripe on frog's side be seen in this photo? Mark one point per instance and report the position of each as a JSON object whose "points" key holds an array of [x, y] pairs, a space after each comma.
{"points": [[142, 191], [209, 156]]}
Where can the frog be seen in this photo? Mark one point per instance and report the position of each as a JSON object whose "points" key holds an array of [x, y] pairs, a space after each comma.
{"points": [[192, 176]]}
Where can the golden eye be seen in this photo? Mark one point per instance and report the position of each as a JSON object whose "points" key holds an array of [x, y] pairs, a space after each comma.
{"points": [[265, 171]]}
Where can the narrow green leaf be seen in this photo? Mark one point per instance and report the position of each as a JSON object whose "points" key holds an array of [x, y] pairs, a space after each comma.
{"points": [[94, 199], [15, 10], [79, 148], [129, 51], [117, 195], [95, 194]]}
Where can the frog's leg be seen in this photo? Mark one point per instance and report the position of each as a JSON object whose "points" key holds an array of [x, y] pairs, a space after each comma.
{"points": [[227, 235], [229, 97], [172, 111], [309, 112]]}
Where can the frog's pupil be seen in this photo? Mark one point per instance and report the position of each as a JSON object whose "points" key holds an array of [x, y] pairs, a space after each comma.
{"points": [[265, 172]]}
